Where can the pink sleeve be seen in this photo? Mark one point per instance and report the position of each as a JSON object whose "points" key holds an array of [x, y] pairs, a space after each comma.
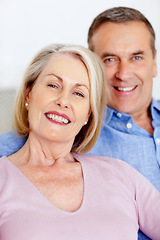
{"points": [[148, 203]]}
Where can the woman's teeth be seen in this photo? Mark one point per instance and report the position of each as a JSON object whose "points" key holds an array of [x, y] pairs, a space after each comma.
{"points": [[57, 118]]}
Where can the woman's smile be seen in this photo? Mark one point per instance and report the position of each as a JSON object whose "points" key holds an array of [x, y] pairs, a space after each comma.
{"points": [[57, 118]]}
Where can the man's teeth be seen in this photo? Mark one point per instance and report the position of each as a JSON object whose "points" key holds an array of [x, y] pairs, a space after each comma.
{"points": [[57, 118], [125, 89]]}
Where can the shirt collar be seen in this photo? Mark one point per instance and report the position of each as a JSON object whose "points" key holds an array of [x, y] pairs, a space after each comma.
{"points": [[155, 105], [109, 114], [155, 111]]}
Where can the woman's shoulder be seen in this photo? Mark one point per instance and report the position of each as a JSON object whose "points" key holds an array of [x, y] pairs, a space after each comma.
{"points": [[117, 166], [5, 165], [4, 170], [100, 160], [107, 169], [3, 161]]}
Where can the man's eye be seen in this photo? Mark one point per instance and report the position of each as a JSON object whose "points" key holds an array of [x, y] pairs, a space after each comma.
{"points": [[109, 60], [137, 58]]}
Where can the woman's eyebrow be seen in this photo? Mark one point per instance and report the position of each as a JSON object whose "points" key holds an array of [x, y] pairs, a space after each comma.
{"points": [[50, 74], [61, 79], [81, 85]]}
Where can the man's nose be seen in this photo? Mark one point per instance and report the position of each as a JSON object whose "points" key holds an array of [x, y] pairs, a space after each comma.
{"points": [[124, 71]]}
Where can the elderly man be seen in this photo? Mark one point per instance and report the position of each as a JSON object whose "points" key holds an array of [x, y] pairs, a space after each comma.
{"points": [[125, 41]]}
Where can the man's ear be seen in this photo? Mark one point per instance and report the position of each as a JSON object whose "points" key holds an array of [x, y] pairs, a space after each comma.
{"points": [[155, 65]]}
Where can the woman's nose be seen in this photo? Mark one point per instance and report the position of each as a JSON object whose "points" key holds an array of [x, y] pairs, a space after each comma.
{"points": [[63, 100]]}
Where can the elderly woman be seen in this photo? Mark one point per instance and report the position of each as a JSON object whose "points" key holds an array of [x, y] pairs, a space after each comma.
{"points": [[49, 189]]}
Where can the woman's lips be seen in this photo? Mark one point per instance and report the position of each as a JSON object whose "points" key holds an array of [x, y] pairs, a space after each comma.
{"points": [[56, 117]]}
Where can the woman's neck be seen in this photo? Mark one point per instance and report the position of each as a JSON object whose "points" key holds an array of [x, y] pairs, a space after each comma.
{"points": [[42, 152]]}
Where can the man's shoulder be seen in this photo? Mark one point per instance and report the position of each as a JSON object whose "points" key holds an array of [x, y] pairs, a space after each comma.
{"points": [[9, 137], [10, 142]]}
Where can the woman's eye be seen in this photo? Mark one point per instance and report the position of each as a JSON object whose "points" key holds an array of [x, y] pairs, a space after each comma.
{"points": [[53, 85], [79, 94]]}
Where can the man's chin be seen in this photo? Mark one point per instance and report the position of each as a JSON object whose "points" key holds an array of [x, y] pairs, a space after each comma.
{"points": [[125, 108]]}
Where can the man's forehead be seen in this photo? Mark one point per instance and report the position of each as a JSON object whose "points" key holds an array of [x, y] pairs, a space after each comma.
{"points": [[112, 38]]}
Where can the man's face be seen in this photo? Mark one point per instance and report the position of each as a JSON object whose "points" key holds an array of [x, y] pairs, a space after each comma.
{"points": [[125, 49]]}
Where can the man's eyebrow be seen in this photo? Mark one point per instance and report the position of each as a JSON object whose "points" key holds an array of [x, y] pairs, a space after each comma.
{"points": [[61, 79], [107, 54], [110, 54], [138, 52]]}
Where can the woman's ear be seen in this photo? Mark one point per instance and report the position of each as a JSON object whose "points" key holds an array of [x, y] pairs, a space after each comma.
{"points": [[28, 90], [89, 113], [27, 94]]}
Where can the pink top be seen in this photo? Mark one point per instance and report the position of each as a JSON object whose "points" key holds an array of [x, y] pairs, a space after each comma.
{"points": [[117, 201]]}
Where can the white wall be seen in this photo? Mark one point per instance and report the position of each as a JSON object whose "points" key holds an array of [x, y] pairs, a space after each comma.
{"points": [[28, 25]]}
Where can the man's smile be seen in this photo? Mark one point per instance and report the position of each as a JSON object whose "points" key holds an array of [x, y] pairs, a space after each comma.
{"points": [[125, 89]]}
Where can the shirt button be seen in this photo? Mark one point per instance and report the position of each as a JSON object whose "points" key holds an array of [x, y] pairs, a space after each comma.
{"points": [[158, 140], [128, 125], [119, 115]]}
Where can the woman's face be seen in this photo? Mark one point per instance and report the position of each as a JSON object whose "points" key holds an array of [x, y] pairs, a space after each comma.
{"points": [[59, 103]]}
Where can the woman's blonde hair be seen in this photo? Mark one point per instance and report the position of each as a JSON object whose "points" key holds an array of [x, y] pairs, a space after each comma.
{"points": [[86, 138]]}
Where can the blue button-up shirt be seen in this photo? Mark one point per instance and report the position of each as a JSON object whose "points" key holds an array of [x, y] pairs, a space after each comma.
{"points": [[120, 138]]}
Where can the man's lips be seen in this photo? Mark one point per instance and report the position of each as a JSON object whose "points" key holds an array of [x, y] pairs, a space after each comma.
{"points": [[56, 117], [125, 89]]}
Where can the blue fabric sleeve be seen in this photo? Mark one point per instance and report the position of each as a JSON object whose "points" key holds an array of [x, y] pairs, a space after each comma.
{"points": [[10, 143]]}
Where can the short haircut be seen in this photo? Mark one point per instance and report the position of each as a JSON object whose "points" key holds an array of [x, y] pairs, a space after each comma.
{"points": [[88, 135], [120, 15]]}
